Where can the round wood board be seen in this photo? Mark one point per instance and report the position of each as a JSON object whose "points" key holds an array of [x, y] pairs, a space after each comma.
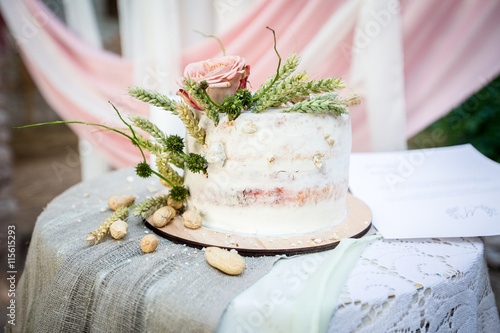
{"points": [[357, 223]]}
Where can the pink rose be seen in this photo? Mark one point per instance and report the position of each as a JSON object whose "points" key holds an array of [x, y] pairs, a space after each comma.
{"points": [[224, 75]]}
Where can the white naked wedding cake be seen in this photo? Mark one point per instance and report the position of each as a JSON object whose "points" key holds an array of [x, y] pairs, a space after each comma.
{"points": [[272, 173]]}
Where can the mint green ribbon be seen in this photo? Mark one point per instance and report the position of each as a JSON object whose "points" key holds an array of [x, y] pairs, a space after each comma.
{"points": [[300, 294], [318, 300]]}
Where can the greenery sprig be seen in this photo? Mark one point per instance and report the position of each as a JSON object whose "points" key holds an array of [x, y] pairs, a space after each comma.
{"points": [[162, 143], [143, 169]]}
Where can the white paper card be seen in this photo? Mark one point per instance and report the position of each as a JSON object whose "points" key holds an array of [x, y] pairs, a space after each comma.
{"points": [[437, 192]]}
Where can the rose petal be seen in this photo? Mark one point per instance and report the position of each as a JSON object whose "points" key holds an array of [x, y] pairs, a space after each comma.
{"points": [[190, 101]]}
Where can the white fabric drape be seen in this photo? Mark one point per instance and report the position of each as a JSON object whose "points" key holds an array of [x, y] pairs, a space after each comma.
{"points": [[81, 18], [143, 25], [377, 72]]}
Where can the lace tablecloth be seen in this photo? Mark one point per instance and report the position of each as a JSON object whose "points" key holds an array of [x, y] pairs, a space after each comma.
{"points": [[430, 285]]}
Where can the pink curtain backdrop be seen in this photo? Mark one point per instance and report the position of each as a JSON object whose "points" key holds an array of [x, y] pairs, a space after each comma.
{"points": [[451, 49]]}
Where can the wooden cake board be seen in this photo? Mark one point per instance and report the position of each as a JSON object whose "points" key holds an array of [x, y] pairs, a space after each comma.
{"points": [[356, 224]]}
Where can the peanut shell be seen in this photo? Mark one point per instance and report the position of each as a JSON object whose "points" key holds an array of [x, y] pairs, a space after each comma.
{"points": [[149, 243], [118, 229], [118, 201], [192, 219], [228, 262], [175, 204], [163, 216]]}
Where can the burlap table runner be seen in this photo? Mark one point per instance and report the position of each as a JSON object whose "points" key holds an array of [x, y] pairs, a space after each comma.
{"points": [[69, 286]]}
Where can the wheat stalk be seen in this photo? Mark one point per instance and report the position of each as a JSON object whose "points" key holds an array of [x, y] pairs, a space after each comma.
{"points": [[153, 98], [166, 170], [290, 88], [290, 65], [96, 236], [351, 100], [191, 123], [149, 206], [151, 145], [326, 103]]}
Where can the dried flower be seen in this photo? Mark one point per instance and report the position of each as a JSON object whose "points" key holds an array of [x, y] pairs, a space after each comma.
{"points": [[143, 170], [179, 193], [222, 76], [174, 143], [196, 163]]}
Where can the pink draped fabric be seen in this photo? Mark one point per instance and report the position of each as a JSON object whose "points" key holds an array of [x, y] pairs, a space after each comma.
{"points": [[451, 49], [101, 75]]}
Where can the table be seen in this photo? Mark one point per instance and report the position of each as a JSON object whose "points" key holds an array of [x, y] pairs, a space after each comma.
{"points": [[427, 285]]}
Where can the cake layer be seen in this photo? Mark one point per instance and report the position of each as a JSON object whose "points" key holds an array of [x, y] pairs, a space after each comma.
{"points": [[272, 173]]}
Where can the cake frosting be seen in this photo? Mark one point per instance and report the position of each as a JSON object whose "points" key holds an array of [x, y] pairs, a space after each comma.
{"points": [[272, 173]]}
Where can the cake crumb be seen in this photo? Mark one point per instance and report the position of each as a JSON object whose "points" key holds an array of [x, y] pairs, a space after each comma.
{"points": [[329, 139], [79, 220], [249, 128], [86, 195], [103, 210], [318, 161], [216, 154], [130, 179]]}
